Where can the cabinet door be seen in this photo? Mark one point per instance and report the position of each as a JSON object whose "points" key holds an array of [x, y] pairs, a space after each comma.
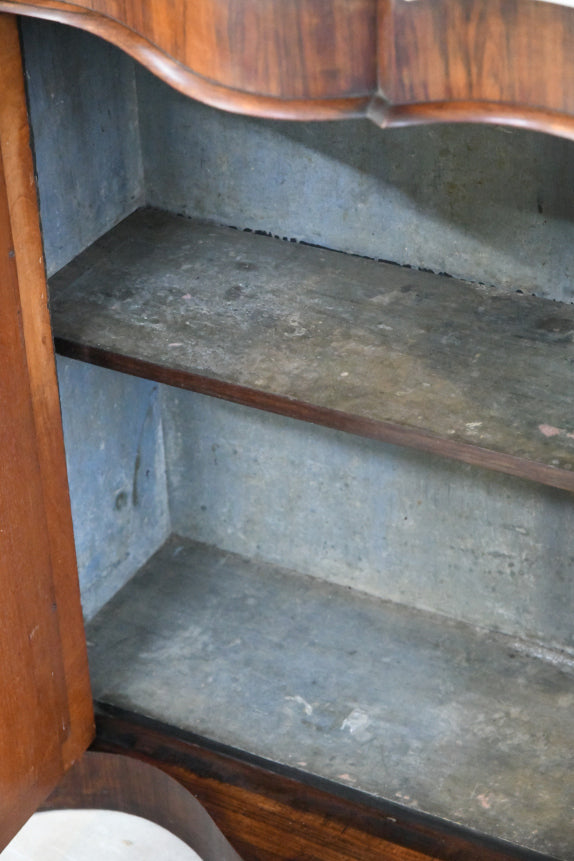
{"points": [[45, 704]]}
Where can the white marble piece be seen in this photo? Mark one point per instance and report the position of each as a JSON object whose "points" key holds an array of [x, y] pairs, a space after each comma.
{"points": [[95, 835]]}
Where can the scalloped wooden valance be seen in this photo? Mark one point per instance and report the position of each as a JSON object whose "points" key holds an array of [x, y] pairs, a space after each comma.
{"points": [[398, 62]]}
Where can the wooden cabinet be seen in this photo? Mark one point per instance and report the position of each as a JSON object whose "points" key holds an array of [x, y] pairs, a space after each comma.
{"points": [[397, 63]]}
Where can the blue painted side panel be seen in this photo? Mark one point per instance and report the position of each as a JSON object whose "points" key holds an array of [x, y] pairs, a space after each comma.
{"points": [[85, 123], [423, 531], [485, 204], [116, 468]]}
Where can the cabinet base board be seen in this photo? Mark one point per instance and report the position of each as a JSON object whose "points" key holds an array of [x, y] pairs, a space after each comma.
{"points": [[273, 815]]}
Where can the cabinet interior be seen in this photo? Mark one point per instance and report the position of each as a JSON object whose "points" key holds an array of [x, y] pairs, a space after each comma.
{"points": [[321, 502]]}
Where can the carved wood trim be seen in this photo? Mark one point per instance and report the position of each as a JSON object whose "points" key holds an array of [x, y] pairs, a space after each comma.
{"points": [[400, 62]]}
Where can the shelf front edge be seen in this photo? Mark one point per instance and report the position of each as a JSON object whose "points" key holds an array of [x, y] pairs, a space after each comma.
{"points": [[385, 431]]}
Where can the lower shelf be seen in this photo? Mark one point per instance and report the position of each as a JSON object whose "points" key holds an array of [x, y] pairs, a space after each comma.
{"points": [[465, 725]]}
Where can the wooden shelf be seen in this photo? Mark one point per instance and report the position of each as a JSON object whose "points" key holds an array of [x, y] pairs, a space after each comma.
{"points": [[426, 712], [412, 358]]}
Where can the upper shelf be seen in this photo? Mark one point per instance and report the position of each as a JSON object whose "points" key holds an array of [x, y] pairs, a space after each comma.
{"points": [[416, 359], [396, 61]]}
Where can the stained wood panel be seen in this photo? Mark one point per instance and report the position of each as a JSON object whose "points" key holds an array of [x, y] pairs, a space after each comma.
{"points": [[34, 710], [290, 49], [505, 60], [45, 709], [398, 62], [282, 58], [472, 49]]}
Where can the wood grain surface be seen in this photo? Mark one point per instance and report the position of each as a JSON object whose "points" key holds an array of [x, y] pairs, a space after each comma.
{"points": [[45, 698], [498, 61], [288, 59], [397, 61], [271, 816]]}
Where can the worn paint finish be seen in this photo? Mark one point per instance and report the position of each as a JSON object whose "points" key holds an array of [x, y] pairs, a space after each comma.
{"points": [[486, 204], [116, 468], [429, 713], [481, 203], [85, 123], [375, 342], [492, 550]]}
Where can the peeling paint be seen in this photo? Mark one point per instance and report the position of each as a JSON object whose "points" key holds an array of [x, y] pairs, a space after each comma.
{"points": [[308, 708]]}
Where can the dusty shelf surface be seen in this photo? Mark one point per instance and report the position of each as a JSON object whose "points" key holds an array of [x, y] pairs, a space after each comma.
{"points": [[405, 705], [416, 359]]}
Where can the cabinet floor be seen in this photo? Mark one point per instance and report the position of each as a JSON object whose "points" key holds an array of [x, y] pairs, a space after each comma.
{"points": [[325, 682]]}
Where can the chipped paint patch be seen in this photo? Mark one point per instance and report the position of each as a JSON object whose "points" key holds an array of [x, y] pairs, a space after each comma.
{"points": [[549, 430], [355, 721], [308, 708]]}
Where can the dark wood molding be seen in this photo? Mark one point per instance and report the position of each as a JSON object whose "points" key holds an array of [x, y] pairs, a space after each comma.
{"points": [[388, 432], [280, 815], [226, 96], [491, 113], [398, 62]]}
